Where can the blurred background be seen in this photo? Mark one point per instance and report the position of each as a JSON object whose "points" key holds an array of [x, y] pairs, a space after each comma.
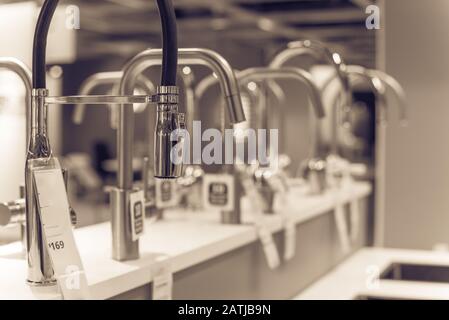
{"points": [[411, 45]]}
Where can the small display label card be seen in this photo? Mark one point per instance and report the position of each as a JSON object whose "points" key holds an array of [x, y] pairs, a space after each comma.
{"points": [[137, 211], [218, 192], [166, 193]]}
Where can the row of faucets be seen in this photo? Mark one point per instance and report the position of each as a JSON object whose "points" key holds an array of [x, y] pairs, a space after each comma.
{"points": [[168, 119]]}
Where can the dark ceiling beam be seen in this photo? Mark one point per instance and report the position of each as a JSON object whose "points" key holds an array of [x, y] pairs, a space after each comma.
{"points": [[236, 13], [363, 3], [325, 15]]}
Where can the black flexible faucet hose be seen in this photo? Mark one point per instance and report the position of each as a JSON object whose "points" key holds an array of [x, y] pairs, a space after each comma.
{"points": [[40, 43], [169, 42]]}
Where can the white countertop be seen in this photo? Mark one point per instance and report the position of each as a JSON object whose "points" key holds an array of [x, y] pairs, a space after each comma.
{"points": [[182, 238], [358, 276]]}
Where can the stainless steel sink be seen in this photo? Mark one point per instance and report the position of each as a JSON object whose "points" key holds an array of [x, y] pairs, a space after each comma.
{"points": [[369, 297], [416, 272]]}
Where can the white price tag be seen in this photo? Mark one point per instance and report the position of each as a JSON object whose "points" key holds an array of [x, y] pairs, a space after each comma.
{"points": [[269, 247], [266, 237], [289, 227], [218, 192], [289, 238], [55, 217], [137, 212], [166, 195], [354, 219], [162, 281], [342, 228]]}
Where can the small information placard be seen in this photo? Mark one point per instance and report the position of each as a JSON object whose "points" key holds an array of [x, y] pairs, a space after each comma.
{"points": [[218, 191], [137, 212], [162, 281], [166, 193], [269, 247], [262, 225], [289, 238], [54, 212]]}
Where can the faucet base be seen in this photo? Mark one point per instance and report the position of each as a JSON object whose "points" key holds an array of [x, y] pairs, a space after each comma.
{"points": [[123, 247]]}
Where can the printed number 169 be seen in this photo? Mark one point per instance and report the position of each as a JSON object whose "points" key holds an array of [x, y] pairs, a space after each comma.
{"points": [[57, 245]]}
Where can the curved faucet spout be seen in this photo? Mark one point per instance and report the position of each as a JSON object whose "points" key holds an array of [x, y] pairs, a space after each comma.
{"points": [[397, 90], [152, 57], [191, 56], [319, 51], [266, 73], [322, 52], [262, 73], [255, 74], [376, 85], [24, 73], [110, 79]]}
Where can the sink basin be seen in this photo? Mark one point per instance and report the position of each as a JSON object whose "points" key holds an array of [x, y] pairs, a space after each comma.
{"points": [[367, 297], [416, 272]]}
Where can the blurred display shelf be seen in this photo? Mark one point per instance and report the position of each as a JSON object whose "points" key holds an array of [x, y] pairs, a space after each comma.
{"points": [[182, 239], [359, 276]]}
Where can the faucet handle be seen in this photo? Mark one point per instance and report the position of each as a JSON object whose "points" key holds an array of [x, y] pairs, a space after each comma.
{"points": [[12, 212], [168, 152]]}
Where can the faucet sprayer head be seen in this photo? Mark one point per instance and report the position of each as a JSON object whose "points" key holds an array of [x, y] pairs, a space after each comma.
{"points": [[170, 127]]}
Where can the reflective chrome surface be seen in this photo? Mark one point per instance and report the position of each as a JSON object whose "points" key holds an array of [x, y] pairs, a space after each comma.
{"points": [[168, 120], [257, 74], [322, 52], [40, 271], [19, 68], [376, 85], [12, 212], [144, 60], [111, 79], [100, 99], [392, 84]]}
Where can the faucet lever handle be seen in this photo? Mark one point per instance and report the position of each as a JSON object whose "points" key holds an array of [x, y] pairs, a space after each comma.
{"points": [[12, 212]]}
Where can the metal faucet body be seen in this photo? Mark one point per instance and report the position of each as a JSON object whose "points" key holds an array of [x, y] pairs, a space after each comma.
{"points": [[261, 74], [123, 246], [39, 146], [24, 73], [320, 51], [111, 78], [266, 74], [379, 82], [258, 74], [166, 97], [40, 270], [391, 83], [358, 73]]}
